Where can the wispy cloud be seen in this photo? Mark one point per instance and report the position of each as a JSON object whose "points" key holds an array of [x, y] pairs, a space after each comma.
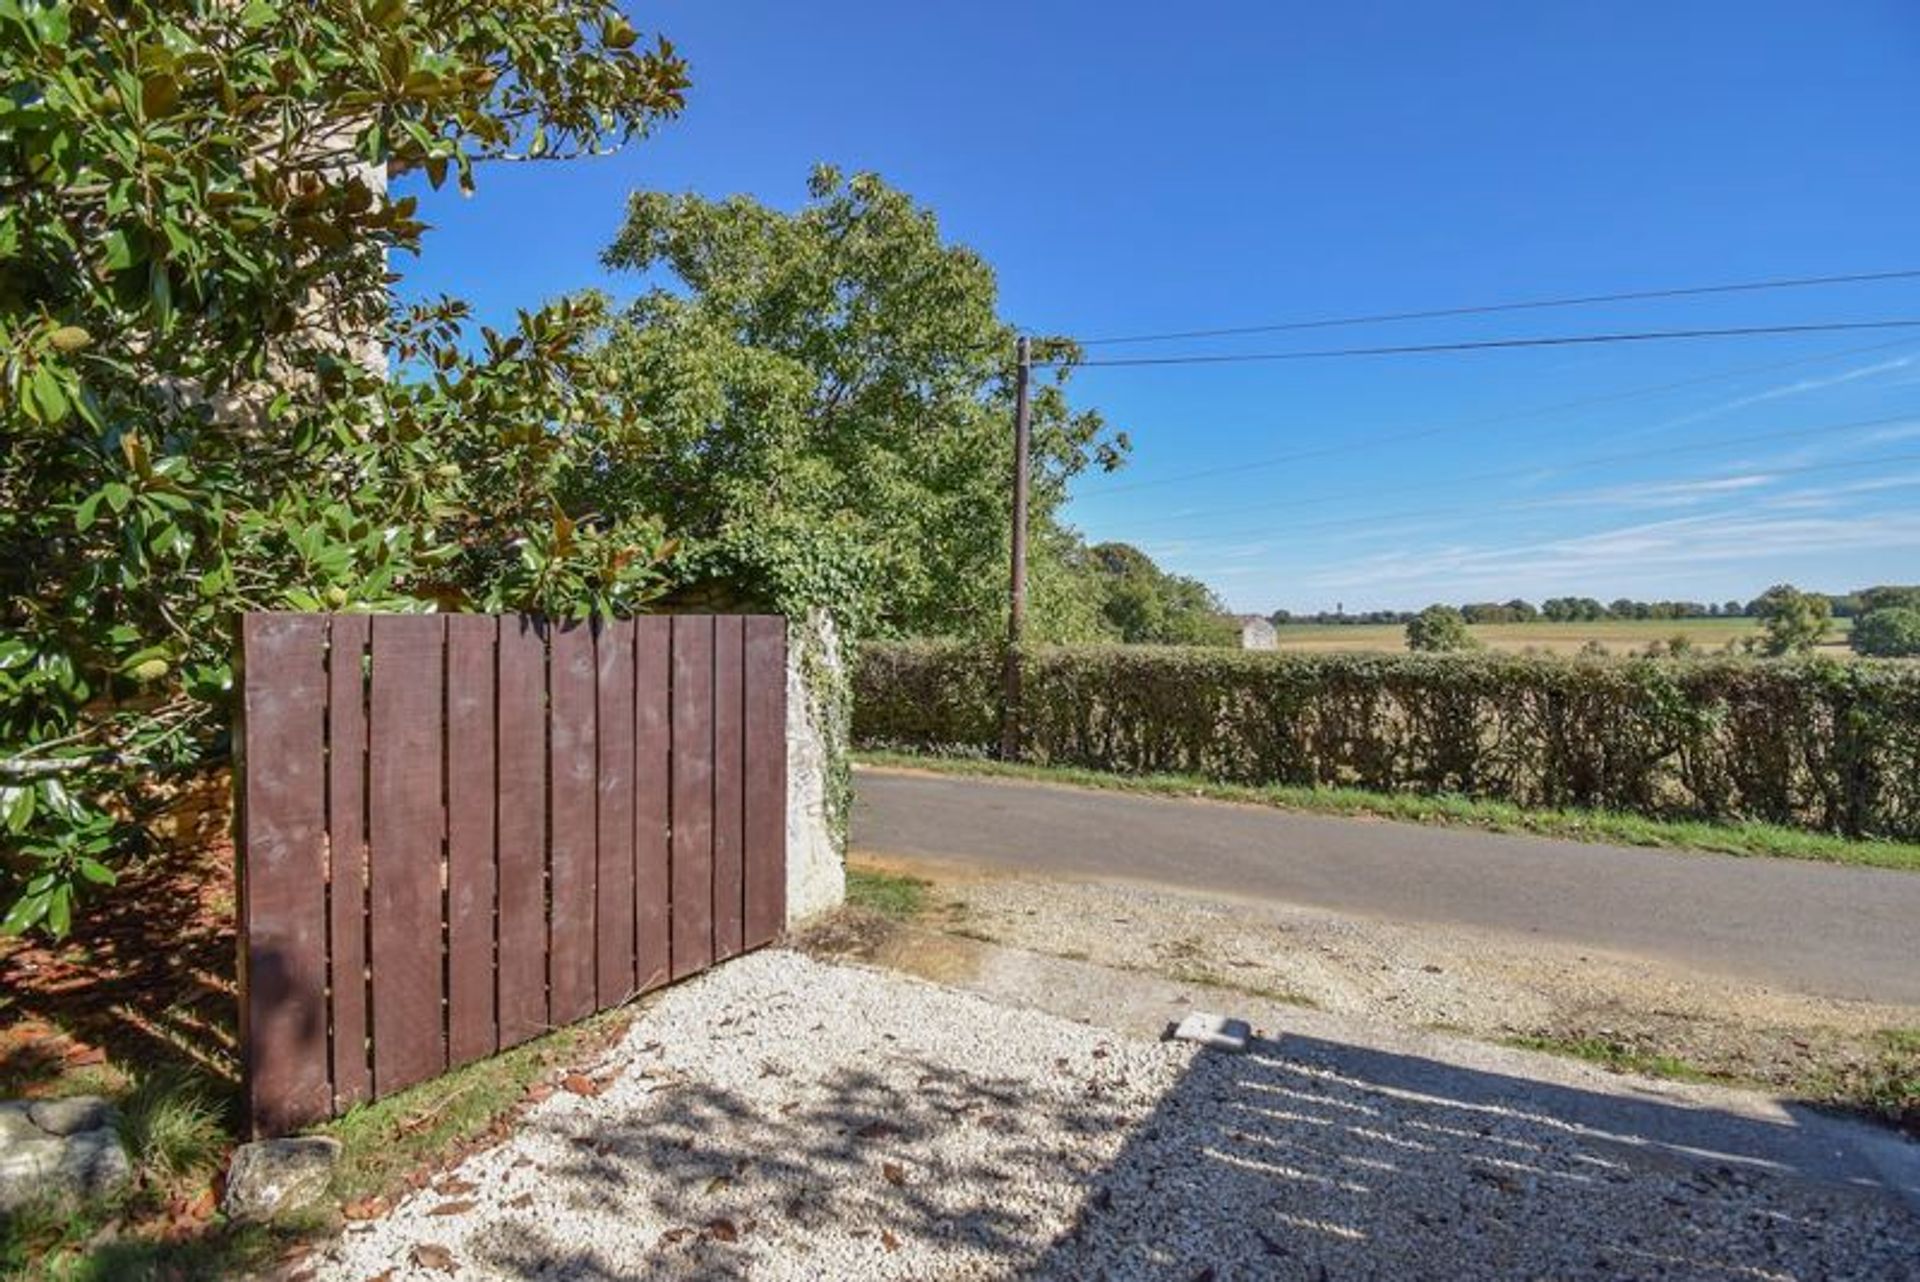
{"points": [[1660, 494], [1799, 387]]}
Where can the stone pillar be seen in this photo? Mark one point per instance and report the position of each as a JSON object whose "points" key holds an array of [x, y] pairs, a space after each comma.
{"points": [[817, 767]]}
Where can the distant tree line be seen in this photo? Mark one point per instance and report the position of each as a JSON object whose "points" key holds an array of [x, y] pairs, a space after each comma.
{"points": [[1570, 609]]}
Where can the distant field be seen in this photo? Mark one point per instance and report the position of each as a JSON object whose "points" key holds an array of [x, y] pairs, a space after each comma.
{"points": [[1620, 636]]}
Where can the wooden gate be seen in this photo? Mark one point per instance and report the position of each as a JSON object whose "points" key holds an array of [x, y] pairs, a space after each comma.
{"points": [[459, 831]]}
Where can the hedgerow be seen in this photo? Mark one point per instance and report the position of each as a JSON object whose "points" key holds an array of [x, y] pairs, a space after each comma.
{"points": [[1815, 743]]}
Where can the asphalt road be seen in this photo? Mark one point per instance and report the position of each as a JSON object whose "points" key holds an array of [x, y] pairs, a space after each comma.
{"points": [[1817, 928]]}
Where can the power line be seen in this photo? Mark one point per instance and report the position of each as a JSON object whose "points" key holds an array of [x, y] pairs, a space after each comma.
{"points": [[1418, 433], [1599, 460], [1380, 318], [1490, 344], [1481, 509]]}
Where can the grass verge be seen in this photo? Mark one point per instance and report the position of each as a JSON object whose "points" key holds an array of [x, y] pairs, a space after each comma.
{"points": [[389, 1144], [1883, 1084], [1619, 1057], [887, 893], [1755, 839]]}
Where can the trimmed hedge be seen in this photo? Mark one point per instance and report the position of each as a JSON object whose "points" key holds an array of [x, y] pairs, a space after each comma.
{"points": [[1815, 743]]}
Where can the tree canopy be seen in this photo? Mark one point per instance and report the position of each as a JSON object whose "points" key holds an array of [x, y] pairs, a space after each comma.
{"points": [[829, 393], [1889, 632], [1792, 621], [1440, 628]]}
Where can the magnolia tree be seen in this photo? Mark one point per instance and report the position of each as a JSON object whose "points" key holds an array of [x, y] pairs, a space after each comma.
{"points": [[195, 227]]}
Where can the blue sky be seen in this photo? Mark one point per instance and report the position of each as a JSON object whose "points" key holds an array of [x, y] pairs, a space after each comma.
{"points": [[1133, 168]]}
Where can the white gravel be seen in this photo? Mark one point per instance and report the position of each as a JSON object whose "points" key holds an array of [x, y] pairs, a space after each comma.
{"points": [[788, 1118]]}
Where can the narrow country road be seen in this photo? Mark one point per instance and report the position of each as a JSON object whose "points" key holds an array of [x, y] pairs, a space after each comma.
{"points": [[1823, 929]]}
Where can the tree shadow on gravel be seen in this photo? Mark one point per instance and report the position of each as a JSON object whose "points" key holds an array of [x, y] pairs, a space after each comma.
{"points": [[1300, 1159]]}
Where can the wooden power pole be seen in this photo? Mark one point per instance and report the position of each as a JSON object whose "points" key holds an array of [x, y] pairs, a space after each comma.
{"points": [[1017, 595]]}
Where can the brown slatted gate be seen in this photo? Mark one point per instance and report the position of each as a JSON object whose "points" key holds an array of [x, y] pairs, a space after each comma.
{"points": [[459, 831]]}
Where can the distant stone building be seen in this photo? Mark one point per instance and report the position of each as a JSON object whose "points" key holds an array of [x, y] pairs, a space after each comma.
{"points": [[1256, 633]]}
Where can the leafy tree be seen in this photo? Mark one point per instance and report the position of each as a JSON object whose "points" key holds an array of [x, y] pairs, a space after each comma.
{"points": [[1792, 621], [1888, 596], [1440, 628], [194, 229], [1890, 632], [1143, 603], [830, 393]]}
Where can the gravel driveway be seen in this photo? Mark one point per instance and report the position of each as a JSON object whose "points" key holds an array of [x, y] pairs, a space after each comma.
{"points": [[783, 1117]]}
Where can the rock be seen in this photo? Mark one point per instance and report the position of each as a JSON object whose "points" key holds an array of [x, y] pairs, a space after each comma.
{"points": [[60, 1149], [72, 1116], [272, 1177], [94, 1163], [1215, 1032], [16, 1124]]}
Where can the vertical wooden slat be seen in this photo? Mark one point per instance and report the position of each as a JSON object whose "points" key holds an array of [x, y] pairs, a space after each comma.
{"points": [[470, 819], [284, 888], [613, 881], [570, 864], [729, 739], [522, 838], [652, 770], [766, 778], [692, 906], [407, 838], [347, 857]]}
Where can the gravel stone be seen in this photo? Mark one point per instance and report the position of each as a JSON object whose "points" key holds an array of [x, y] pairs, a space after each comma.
{"points": [[785, 1118]]}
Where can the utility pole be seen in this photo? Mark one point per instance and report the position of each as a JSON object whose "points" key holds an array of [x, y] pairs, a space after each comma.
{"points": [[1017, 595]]}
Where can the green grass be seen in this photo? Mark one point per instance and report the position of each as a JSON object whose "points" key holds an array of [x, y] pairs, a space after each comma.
{"points": [[178, 1129], [1886, 1086], [428, 1124], [1768, 840], [1618, 1057], [175, 1128], [1201, 977], [886, 893]]}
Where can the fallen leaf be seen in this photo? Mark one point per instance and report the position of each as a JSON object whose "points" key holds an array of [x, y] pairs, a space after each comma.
{"points": [[889, 1241], [431, 1255], [722, 1231], [454, 1188], [674, 1237], [452, 1208], [525, 1199], [384, 1276], [539, 1091], [877, 1130], [365, 1208], [580, 1084], [895, 1173], [717, 1183], [85, 1057]]}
